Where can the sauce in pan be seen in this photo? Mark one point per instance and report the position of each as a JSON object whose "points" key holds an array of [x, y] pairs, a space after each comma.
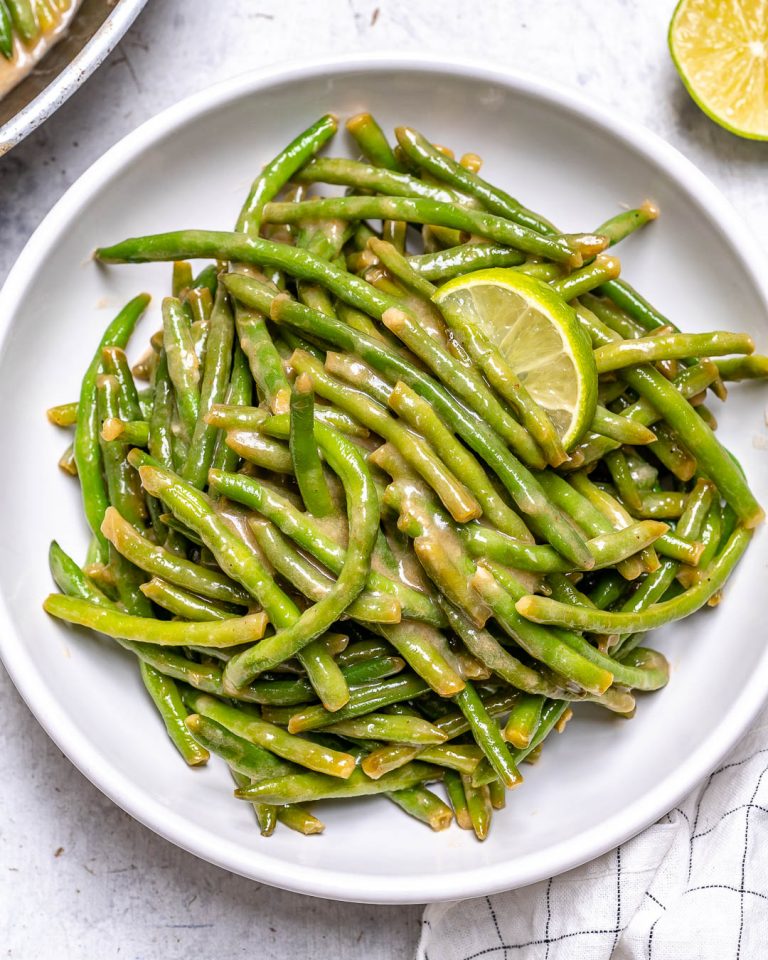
{"points": [[57, 16]]}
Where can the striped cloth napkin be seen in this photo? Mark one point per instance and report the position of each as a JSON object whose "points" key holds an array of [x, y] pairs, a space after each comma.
{"points": [[693, 886]]}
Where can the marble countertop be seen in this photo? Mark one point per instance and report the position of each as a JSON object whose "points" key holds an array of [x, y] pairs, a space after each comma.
{"points": [[78, 877]]}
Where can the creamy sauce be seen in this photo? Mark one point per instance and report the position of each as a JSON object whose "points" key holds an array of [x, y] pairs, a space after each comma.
{"points": [[25, 57]]}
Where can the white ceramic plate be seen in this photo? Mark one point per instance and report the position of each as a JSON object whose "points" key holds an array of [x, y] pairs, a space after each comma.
{"points": [[189, 167]]}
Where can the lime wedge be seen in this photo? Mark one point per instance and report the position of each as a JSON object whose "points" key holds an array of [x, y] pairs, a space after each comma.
{"points": [[539, 336], [720, 49]]}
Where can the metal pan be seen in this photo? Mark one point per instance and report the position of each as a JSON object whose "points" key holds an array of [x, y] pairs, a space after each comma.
{"points": [[94, 33]]}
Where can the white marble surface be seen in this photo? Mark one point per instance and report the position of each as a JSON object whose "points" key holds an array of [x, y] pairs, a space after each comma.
{"points": [[79, 878]]}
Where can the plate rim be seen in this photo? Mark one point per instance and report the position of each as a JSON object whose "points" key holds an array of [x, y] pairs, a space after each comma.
{"points": [[361, 887]]}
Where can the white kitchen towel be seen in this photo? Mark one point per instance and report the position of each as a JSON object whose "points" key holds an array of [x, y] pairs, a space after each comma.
{"points": [[693, 886]]}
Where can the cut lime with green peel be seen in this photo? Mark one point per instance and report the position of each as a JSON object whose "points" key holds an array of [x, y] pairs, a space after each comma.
{"points": [[720, 49], [539, 336]]}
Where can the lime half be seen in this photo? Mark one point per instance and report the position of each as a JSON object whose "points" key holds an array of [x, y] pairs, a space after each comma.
{"points": [[538, 335], [720, 49]]}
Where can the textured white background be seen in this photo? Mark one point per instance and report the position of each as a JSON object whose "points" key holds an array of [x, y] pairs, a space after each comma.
{"points": [[78, 878]]}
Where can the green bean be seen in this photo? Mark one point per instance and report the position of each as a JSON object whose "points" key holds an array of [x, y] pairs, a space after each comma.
{"points": [[488, 736], [63, 415], [66, 461], [363, 516], [115, 363], [242, 756], [24, 19], [71, 580], [491, 653], [86, 443], [123, 485], [182, 603], [289, 693], [167, 699], [279, 171], [465, 258], [576, 284], [313, 583], [307, 465], [670, 346], [624, 481], [544, 610], [367, 177], [216, 373], [266, 814], [224, 633], [420, 645], [297, 818], [455, 790], [498, 794], [422, 153], [607, 549], [423, 210], [637, 307], [305, 531], [461, 757], [182, 278], [523, 720], [361, 651], [261, 451], [313, 756], [484, 441], [161, 563], [424, 805], [362, 700], [710, 537], [384, 726], [183, 365], [400, 268], [160, 441], [753, 367], [434, 543], [305, 787], [263, 359], [371, 139], [419, 414], [6, 31], [623, 224], [542, 645], [457, 499], [239, 392], [667, 505], [243, 417], [620, 428], [612, 316], [133, 432], [358, 374], [478, 807]]}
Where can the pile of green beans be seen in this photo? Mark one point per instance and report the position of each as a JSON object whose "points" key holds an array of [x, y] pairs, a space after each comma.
{"points": [[350, 556]]}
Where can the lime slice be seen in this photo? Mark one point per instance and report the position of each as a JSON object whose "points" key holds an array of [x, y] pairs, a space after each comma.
{"points": [[539, 336], [720, 49]]}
